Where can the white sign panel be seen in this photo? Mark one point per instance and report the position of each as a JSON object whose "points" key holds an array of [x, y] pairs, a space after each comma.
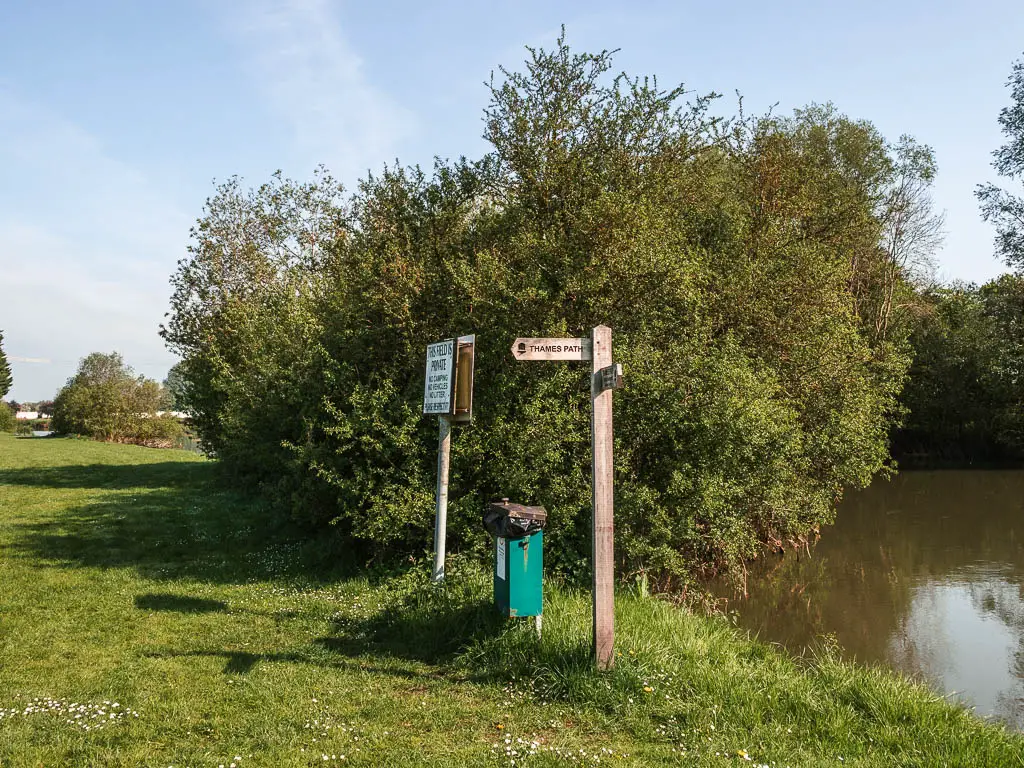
{"points": [[552, 349], [437, 389], [501, 558]]}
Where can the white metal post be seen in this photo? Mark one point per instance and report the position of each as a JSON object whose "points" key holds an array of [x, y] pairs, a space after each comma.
{"points": [[444, 445]]}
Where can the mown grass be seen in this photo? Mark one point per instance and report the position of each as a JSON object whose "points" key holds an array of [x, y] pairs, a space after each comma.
{"points": [[128, 576]]}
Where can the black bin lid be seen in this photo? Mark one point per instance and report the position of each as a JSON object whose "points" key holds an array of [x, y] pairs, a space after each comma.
{"points": [[518, 511], [513, 521]]}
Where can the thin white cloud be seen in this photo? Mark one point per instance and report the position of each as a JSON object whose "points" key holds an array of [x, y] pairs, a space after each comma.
{"points": [[316, 83], [87, 243]]}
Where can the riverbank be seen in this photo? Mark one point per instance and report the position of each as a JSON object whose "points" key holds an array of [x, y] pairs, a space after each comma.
{"points": [[150, 618], [921, 573]]}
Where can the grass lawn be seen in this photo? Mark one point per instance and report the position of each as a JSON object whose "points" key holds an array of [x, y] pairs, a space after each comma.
{"points": [[149, 617]]}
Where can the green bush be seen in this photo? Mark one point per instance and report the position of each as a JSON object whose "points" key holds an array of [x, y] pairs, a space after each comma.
{"points": [[160, 431], [106, 401], [963, 398], [740, 266], [7, 420]]}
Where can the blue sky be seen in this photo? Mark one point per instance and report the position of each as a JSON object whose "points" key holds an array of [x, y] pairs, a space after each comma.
{"points": [[116, 117]]}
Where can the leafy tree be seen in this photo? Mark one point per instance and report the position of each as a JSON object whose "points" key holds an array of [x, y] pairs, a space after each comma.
{"points": [[7, 420], [174, 387], [105, 400], [240, 318], [6, 380], [1004, 306], [757, 272], [45, 407], [965, 393], [999, 206]]}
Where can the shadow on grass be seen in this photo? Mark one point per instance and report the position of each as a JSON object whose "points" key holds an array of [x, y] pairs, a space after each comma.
{"points": [[164, 474], [455, 631], [242, 662], [416, 638], [167, 520], [179, 603], [426, 632], [431, 633], [470, 639], [366, 646]]}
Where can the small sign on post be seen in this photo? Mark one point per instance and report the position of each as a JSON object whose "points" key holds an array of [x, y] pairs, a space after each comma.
{"points": [[551, 349], [447, 393], [611, 377], [465, 360], [437, 389], [605, 377]]}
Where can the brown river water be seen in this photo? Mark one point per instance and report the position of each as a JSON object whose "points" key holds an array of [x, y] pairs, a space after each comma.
{"points": [[923, 573]]}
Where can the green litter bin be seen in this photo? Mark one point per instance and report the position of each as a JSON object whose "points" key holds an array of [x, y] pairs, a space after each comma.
{"points": [[518, 557]]}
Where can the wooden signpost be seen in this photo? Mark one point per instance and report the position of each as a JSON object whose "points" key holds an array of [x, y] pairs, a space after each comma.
{"points": [[605, 377], [447, 393]]}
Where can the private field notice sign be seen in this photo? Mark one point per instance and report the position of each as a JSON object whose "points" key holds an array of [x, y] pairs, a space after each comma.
{"points": [[437, 389]]}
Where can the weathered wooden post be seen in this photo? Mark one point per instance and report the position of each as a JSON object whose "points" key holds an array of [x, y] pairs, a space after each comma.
{"points": [[603, 498], [605, 376]]}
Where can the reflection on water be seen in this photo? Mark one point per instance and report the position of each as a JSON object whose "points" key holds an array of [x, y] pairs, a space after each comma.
{"points": [[925, 573], [953, 634]]}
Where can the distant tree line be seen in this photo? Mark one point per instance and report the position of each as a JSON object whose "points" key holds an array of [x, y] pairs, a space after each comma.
{"points": [[964, 399], [965, 394], [760, 274], [43, 407]]}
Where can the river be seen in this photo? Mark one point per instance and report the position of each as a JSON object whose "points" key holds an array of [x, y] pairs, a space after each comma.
{"points": [[924, 573]]}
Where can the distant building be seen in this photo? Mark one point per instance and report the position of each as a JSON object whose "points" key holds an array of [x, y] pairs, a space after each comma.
{"points": [[27, 415], [180, 415]]}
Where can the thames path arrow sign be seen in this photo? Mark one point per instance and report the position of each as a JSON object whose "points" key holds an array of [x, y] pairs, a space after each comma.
{"points": [[552, 349]]}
